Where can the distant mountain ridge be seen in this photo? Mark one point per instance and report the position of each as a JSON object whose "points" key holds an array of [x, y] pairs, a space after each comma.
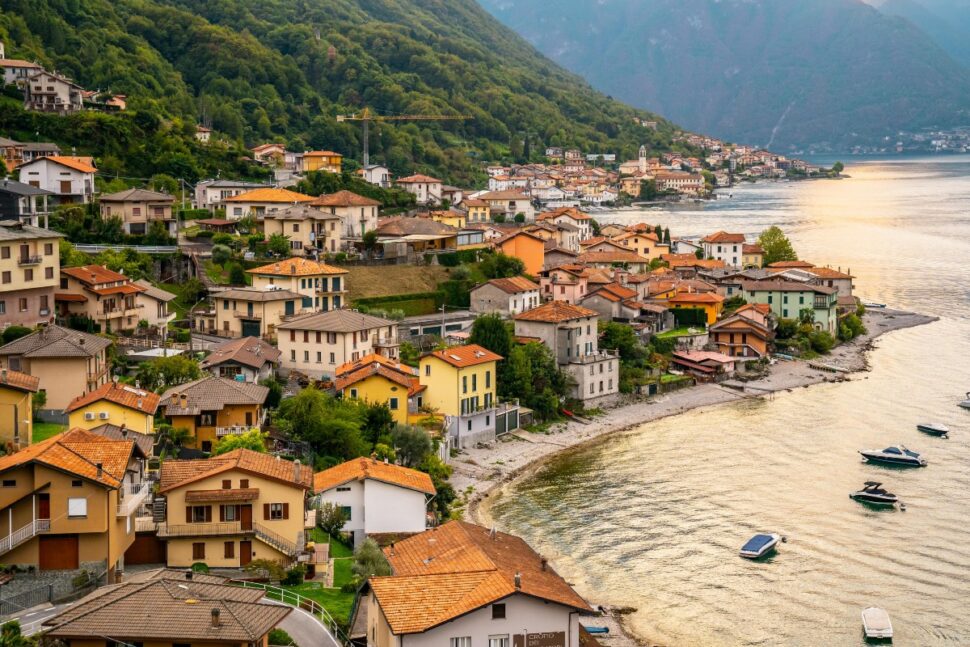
{"points": [[780, 73], [947, 22]]}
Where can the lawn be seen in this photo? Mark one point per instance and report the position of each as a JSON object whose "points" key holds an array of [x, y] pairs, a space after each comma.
{"points": [[337, 603], [668, 378], [677, 332], [44, 430]]}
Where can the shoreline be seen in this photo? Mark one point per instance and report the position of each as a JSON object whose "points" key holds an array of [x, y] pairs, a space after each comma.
{"points": [[481, 472]]}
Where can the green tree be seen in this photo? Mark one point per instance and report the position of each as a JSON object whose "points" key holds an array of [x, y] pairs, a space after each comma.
{"points": [[253, 439], [378, 421], [535, 378], [492, 332], [37, 403], [440, 472], [11, 636], [237, 275], [165, 372], [411, 445], [409, 354], [330, 426], [275, 394], [776, 245], [837, 168], [821, 341], [14, 332], [279, 244], [648, 190], [369, 240], [331, 518], [369, 561], [500, 266], [621, 337], [221, 254], [519, 218]]}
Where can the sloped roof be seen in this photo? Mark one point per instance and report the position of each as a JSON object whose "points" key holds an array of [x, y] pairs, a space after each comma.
{"points": [[556, 312], [696, 297], [94, 274], [468, 355], [367, 468], [624, 256], [55, 341], [179, 473], [351, 373], [210, 394], [297, 266], [137, 195], [336, 321], [18, 381], [258, 295], [154, 291], [303, 211], [248, 351], [78, 452], [723, 237], [752, 249], [82, 164], [415, 179], [270, 195], [785, 286], [344, 198], [123, 395], [791, 264], [412, 226], [503, 195], [514, 285], [456, 568], [145, 442], [19, 188]]}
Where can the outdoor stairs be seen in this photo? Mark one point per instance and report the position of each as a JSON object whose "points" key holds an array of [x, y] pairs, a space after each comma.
{"points": [[278, 542], [21, 535]]}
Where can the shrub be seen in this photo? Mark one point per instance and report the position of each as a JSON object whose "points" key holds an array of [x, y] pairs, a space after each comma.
{"points": [[267, 568], [237, 275], [821, 341], [14, 332], [786, 328], [205, 233], [222, 239], [182, 335], [221, 254], [294, 576], [200, 567], [279, 638]]}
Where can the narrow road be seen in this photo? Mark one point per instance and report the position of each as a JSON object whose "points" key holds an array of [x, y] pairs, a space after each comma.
{"points": [[304, 629], [31, 621]]}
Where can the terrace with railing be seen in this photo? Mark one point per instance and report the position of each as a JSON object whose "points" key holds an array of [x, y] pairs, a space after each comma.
{"points": [[131, 496]]}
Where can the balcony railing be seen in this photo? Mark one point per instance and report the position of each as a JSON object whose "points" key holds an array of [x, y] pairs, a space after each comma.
{"points": [[21, 535], [238, 314], [36, 259], [93, 376], [201, 529], [385, 341], [232, 431], [131, 496]]}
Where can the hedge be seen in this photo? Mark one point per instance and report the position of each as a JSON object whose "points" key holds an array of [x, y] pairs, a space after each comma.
{"points": [[454, 259], [418, 303]]}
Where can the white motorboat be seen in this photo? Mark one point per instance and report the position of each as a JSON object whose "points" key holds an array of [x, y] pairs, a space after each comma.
{"points": [[895, 455], [876, 623], [934, 428], [966, 403], [760, 545], [872, 493]]}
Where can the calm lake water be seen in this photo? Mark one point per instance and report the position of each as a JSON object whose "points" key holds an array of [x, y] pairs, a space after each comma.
{"points": [[653, 518]]}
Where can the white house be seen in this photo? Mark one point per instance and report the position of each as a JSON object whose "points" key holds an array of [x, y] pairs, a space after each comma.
{"points": [[507, 297], [316, 344], [70, 179], [376, 497], [725, 247], [209, 194], [462, 585], [47, 92], [16, 72], [377, 174], [426, 189]]}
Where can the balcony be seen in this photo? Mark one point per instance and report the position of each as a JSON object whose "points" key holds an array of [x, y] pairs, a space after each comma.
{"points": [[36, 259], [252, 316], [593, 358], [131, 496], [231, 431], [94, 376], [21, 535], [384, 342], [201, 529]]}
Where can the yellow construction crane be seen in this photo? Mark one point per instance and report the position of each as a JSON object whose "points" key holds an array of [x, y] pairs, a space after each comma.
{"points": [[366, 116]]}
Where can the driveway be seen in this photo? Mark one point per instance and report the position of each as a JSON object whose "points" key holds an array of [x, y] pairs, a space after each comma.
{"points": [[304, 629]]}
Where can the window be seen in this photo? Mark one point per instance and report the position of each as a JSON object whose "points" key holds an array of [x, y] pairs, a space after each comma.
{"points": [[244, 483], [464, 384], [77, 483], [6, 277], [353, 393], [469, 425], [319, 357], [9, 483], [345, 509], [498, 641], [474, 381], [226, 484], [230, 550], [343, 488], [392, 404], [198, 550], [77, 508], [464, 641], [48, 272], [292, 355], [3, 307], [333, 358], [498, 612], [4, 252], [228, 513], [200, 514], [275, 510], [427, 369]]}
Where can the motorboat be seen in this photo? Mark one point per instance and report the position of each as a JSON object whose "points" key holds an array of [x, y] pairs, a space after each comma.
{"points": [[873, 304], [876, 623], [873, 493], [934, 428], [895, 455], [760, 545], [966, 403]]}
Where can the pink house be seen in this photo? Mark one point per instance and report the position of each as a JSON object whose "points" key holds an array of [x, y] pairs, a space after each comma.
{"points": [[567, 283]]}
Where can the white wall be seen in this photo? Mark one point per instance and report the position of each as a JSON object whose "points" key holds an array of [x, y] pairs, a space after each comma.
{"points": [[389, 508], [354, 498]]}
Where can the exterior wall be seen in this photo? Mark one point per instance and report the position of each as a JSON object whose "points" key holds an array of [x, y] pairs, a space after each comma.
{"points": [[64, 378], [787, 305], [232, 415], [15, 414], [711, 310], [449, 387], [389, 508], [34, 280], [739, 342], [325, 235], [356, 220], [752, 260], [117, 415], [237, 210], [139, 213], [424, 192], [269, 314], [487, 298], [48, 175], [327, 163], [730, 253], [645, 247], [527, 249], [324, 291], [595, 379], [117, 312], [320, 359], [349, 495], [377, 389]]}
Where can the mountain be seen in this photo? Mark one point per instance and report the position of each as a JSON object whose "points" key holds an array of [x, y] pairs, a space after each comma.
{"points": [[946, 21], [265, 70], [771, 72]]}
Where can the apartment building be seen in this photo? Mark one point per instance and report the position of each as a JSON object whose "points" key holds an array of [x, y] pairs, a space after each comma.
{"points": [[316, 344], [138, 209], [69, 179], [30, 266], [358, 213], [309, 229], [108, 298], [214, 407], [255, 312], [322, 287]]}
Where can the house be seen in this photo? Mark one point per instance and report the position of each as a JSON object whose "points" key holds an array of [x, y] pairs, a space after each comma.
{"points": [[105, 297], [463, 585], [525, 246], [752, 256], [323, 161], [789, 299], [379, 380], [29, 267], [507, 297], [36, 150], [213, 407], [645, 244], [70, 179], [478, 210], [747, 333], [376, 497], [625, 259], [568, 283], [452, 194], [358, 213], [24, 203], [456, 219], [682, 247], [316, 344], [709, 303], [427, 190], [323, 287], [233, 508], [704, 365], [409, 237], [570, 332], [16, 409], [460, 383], [260, 202], [571, 216], [116, 404], [377, 174], [510, 203], [138, 209], [16, 71], [211, 194], [613, 302], [186, 609], [833, 278], [66, 361], [255, 312], [309, 230], [273, 154], [679, 182], [724, 247], [155, 301], [203, 134], [48, 92], [248, 359], [68, 503]]}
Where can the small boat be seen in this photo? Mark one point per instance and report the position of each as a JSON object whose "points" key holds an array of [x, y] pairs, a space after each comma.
{"points": [[873, 493], [966, 403], [760, 545], [872, 304], [596, 630], [876, 623], [895, 455], [934, 429]]}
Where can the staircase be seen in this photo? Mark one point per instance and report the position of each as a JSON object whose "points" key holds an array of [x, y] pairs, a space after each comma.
{"points": [[281, 544], [26, 533]]}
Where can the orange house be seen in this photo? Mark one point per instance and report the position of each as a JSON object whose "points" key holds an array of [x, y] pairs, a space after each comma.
{"points": [[527, 247], [710, 303]]}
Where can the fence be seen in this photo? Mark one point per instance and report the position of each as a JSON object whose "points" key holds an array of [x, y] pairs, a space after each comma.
{"points": [[143, 249], [25, 600], [296, 600]]}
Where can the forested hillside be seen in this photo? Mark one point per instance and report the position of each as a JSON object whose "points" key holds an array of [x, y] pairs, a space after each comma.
{"points": [[261, 70]]}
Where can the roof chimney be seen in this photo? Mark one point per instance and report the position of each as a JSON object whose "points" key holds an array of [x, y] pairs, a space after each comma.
{"points": [[296, 470], [391, 553], [215, 618], [543, 563], [188, 575], [183, 401], [100, 469], [518, 581], [124, 431]]}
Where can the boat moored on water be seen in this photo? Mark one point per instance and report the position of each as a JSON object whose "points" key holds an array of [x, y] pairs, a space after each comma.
{"points": [[965, 403], [876, 623], [873, 493], [760, 545], [895, 455], [934, 428], [873, 304]]}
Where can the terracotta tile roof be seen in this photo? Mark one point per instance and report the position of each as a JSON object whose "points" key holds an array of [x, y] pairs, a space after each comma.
{"points": [[791, 264], [618, 256], [595, 240], [145, 442], [696, 297], [633, 234], [615, 292], [358, 469], [503, 195], [723, 237], [415, 179], [55, 341], [354, 372], [121, 394], [169, 610], [556, 312], [336, 321], [444, 573], [763, 308], [94, 274], [752, 249], [18, 381], [572, 212], [16, 62], [468, 355], [210, 394], [370, 358], [78, 452], [344, 199], [828, 273], [248, 351], [512, 235], [271, 195], [321, 154], [82, 164], [179, 473], [226, 494], [303, 211], [514, 285], [297, 266], [415, 226]]}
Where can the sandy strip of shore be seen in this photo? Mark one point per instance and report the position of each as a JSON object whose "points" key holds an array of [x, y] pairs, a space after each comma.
{"points": [[482, 470]]}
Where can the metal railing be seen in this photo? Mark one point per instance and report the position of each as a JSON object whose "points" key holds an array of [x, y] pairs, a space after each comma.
{"points": [[201, 529], [232, 431], [20, 602], [36, 259], [144, 249], [276, 540], [21, 535], [292, 599], [133, 495]]}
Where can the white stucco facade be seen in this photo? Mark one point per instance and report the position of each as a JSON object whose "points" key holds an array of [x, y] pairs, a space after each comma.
{"points": [[378, 507]]}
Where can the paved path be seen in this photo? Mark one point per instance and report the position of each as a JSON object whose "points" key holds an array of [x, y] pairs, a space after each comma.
{"points": [[304, 629], [31, 621]]}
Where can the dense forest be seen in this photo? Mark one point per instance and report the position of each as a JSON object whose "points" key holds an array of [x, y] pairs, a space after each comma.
{"points": [[264, 70]]}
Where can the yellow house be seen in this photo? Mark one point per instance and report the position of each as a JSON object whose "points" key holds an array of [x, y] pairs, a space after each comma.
{"points": [[752, 256], [455, 219], [710, 303], [230, 509], [69, 502], [459, 380], [327, 161], [116, 404], [252, 312], [214, 407], [377, 379], [645, 244], [323, 287], [16, 409], [478, 210]]}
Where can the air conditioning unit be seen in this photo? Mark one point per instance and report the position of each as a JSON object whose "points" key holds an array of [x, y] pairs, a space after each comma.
{"points": [[44, 312], [103, 415], [89, 416]]}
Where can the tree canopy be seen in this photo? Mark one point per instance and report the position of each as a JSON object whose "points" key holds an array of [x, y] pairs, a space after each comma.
{"points": [[253, 439], [776, 246]]}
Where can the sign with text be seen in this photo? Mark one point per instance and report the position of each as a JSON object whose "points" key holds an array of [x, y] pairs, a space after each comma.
{"points": [[546, 639]]}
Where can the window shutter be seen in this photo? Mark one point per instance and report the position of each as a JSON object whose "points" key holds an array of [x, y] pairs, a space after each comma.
{"points": [[188, 514], [292, 335], [222, 513], [266, 511], [208, 513], [286, 510]]}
